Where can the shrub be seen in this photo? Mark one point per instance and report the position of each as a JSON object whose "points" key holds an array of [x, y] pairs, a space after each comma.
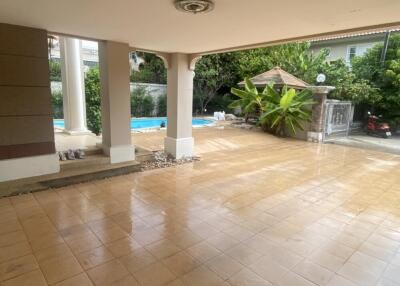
{"points": [[55, 70], [93, 100], [57, 104], [162, 105], [277, 112], [142, 103], [148, 106]]}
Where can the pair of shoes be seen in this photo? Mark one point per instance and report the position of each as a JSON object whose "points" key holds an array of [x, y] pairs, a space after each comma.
{"points": [[70, 155], [79, 154], [61, 156]]}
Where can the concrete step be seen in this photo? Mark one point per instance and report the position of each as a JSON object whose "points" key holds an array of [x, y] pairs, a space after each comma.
{"points": [[94, 166], [72, 173], [89, 172], [89, 160]]}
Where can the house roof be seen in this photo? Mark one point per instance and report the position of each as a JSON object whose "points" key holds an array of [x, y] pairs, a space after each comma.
{"points": [[278, 77], [353, 35], [155, 25]]}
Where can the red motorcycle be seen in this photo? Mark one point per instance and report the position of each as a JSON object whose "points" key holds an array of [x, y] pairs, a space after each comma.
{"points": [[375, 126]]}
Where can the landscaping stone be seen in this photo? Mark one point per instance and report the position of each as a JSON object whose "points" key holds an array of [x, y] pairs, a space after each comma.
{"points": [[163, 160], [230, 117]]}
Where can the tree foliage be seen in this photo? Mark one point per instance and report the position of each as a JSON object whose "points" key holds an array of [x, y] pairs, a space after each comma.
{"points": [[93, 100], [162, 105], [152, 70], [142, 104], [57, 104], [212, 74], [295, 58], [55, 70], [384, 76]]}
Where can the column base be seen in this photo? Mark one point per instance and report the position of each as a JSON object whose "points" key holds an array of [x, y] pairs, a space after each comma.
{"points": [[119, 154], [179, 147], [78, 132], [18, 168], [316, 137]]}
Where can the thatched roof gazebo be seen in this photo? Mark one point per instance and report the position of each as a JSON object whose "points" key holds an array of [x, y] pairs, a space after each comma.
{"points": [[279, 78]]}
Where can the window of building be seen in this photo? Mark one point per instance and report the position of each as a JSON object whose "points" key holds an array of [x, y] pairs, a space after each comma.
{"points": [[351, 53], [328, 52]]}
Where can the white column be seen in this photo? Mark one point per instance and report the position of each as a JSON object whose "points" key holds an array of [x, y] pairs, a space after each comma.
{"points": [[115, 101], [179, 141], [73, 86]]}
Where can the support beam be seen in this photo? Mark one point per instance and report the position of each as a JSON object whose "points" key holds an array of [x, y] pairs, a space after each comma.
{"points": [[73, 86], [179, 141], [115, 101]]}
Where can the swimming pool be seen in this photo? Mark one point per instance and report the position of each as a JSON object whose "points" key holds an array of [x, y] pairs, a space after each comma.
{"points": [[146, 123]]}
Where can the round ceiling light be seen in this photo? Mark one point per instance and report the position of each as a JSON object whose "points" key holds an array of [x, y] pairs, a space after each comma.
{"points": [[194, 6]]}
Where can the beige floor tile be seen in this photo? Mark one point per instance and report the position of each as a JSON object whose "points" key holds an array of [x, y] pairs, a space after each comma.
{"points": [[94, 257], [176, 282], [163, 248], [45, 241], [59, 269], [292, 278], [84, 243], [392, 272], [269, 270], [107, 273], [15, 250], [201, 276], [155, 274], [224, 266], [180, 263], [81, 280], [293, 213], [137, 260], [313, 272], [357, 275], [222, 241], [57, 251], [368, 263], [123, 246], [337, 280], [247, 277], [28, 279], [185, 239], [327, 260], [243, 254], [125, 281], [203, 251], [11, 238], [15, 267]]}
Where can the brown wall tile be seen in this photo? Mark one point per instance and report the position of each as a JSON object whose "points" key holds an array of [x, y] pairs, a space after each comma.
{"points": [[16, 100], [24, 71], [26, 129], [25, 150], [26, 124], [24, 41]]}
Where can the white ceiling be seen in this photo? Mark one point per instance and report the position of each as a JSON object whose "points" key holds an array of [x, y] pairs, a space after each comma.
{"points": [[157, 25]]}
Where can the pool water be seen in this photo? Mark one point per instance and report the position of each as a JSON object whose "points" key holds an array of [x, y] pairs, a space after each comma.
{"points": [[146, 123]]}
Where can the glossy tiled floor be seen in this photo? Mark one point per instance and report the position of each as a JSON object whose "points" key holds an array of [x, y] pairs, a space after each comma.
{"points": [[254, 211]]}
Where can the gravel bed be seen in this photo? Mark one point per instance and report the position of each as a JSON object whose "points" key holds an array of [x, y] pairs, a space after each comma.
{"points": [[163, 160]]}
